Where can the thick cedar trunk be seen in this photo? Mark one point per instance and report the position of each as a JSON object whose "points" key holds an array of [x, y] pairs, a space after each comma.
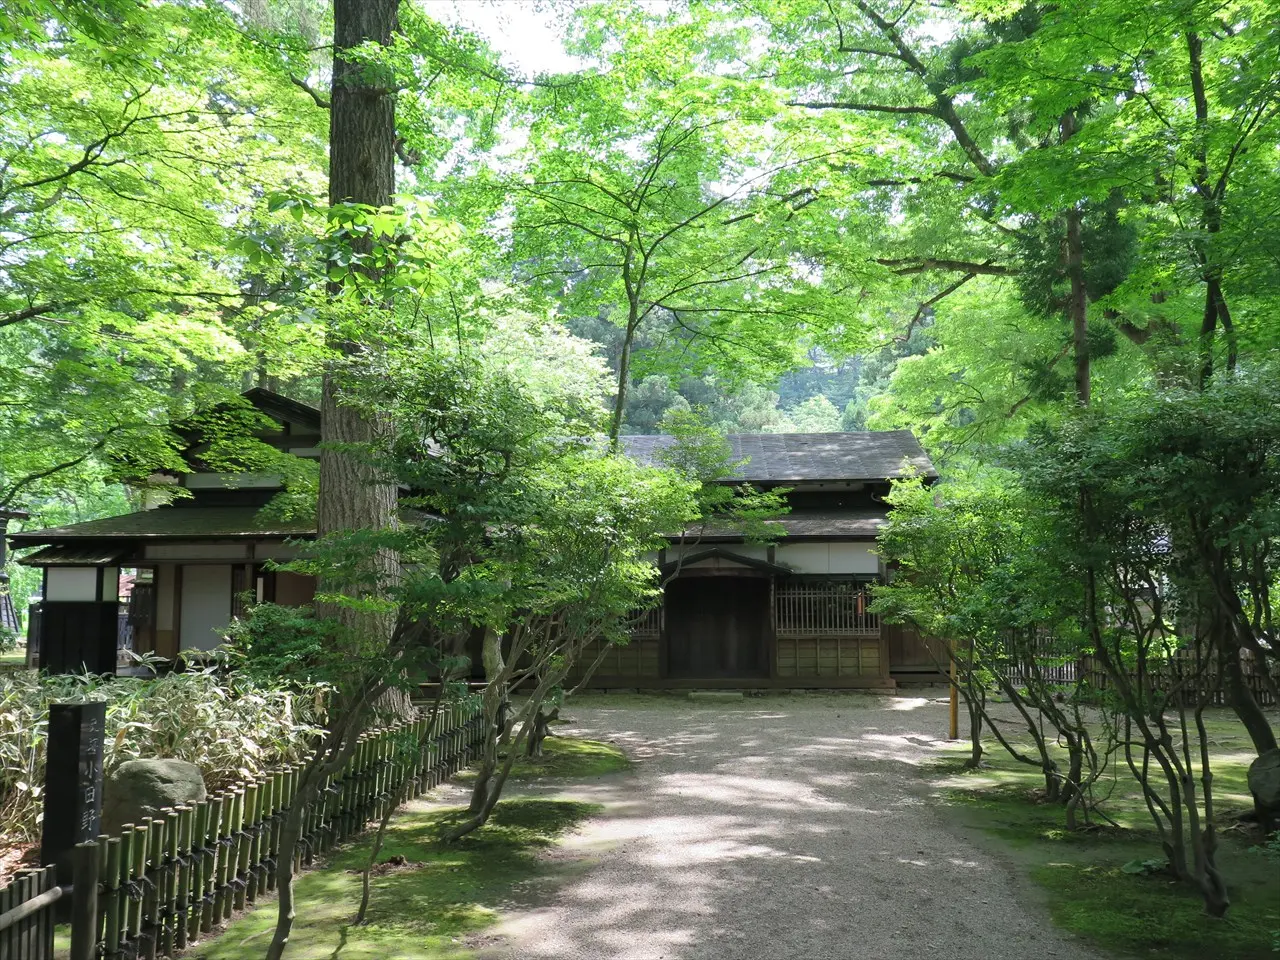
{"points": [[361, 170], [1077, 303], [362, 132]]}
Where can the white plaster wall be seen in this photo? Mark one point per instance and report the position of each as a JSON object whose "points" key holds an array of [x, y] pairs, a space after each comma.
{"points": [[829, 558], [754, 551], [854, 558], [206, 605], [233, 481], [72, 583]]}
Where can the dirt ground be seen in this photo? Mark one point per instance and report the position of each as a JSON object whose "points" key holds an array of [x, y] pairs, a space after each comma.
{"points": [[774, 827]]}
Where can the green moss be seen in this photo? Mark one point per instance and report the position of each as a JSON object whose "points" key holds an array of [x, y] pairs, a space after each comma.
{"points": [[565, 758], [1160, 918], [1088, 893], [423, 910], [571, 758]]}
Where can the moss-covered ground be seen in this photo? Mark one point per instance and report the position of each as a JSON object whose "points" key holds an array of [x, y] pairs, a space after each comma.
{"points": [[1082, 873], [432, 905], [564, 759]]}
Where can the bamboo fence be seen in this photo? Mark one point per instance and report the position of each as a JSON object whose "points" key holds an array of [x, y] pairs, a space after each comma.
{"points": [[161, 884]]}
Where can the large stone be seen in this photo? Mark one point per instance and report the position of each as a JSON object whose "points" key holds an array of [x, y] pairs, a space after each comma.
{"points": [[138, 790], [1264, 784]]}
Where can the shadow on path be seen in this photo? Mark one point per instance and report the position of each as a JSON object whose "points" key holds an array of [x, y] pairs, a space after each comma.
{"points": [[782, 827]]}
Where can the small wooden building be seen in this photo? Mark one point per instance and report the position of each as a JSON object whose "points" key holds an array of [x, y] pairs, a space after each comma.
{"points": [[171, 578], [794, 613], [735, 614]]}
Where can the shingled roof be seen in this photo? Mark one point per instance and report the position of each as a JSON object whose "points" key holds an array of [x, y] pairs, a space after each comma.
{"points": [[808, 457], [172, 523]]}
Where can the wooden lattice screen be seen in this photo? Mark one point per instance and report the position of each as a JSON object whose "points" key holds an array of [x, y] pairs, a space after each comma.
{"points": [[825, 608], [647, 624]]}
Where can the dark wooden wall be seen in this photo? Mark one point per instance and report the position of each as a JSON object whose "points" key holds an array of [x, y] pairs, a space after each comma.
{"points": [[78, 636]]}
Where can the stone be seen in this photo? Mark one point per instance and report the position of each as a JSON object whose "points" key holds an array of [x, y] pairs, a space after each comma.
{"points": [[1264, 784], [715, 696], [138, 790]]}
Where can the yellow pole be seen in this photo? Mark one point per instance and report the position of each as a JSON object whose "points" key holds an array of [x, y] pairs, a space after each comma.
{"points": [[954, 709]]}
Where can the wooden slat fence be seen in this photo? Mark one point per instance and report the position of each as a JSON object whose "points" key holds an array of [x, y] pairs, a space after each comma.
{"points": [[1179, 671], [1060, 664], [1055, 662], [830, 608], [161, 884], [26, 915]]}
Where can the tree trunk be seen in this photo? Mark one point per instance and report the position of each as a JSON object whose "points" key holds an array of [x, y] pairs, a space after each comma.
{"points": [[1245, 704], [1077, 302], [362, 132], [361, 170], [633, 286], [495, 694], [362, 135]]}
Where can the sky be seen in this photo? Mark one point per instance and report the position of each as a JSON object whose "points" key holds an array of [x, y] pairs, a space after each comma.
{"points": [[523, 31]]}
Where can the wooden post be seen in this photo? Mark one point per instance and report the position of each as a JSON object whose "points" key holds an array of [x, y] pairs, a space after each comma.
{"points": [[954, 707], [151, 898], [84, 901]]}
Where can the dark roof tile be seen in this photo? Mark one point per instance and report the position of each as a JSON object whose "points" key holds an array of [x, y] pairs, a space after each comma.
{"points": [[172, 523], [808, 457]]}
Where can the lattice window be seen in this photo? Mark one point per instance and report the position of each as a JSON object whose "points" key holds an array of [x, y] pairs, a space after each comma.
{"points": [[825, 608], [646, 623]]}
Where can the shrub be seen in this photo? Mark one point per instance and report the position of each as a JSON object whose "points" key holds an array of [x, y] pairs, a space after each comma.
{"points": [[231, 727]]}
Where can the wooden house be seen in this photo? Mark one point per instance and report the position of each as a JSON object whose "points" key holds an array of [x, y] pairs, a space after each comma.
{"points": [[171, 578], [734, 614], [792, 614]]}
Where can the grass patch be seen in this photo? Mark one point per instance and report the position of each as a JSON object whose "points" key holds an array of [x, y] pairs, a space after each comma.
{"points": [[1156, 917], [564, 758], [423, 910], [567, 757], [1088, 892]]}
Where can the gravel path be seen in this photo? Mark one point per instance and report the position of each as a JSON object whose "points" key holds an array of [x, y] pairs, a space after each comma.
{"points": [[777, 827]]}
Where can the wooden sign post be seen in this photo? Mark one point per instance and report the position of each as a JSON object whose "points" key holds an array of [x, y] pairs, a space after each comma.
{"points": [[72, 782]]}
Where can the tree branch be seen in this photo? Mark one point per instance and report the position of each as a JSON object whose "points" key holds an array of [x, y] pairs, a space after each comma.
{"points": [[926, 304], [867, 107], [36, 310], [311, 91], [912, 265]]}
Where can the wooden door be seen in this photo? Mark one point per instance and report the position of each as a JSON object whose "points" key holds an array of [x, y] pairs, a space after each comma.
{"points": [[717, 628]]}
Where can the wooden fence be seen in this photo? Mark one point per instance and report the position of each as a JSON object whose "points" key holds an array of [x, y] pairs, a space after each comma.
{"points": [[1057, 664], [159, 885], [26, 915], [1179, 673], [828, 609]]}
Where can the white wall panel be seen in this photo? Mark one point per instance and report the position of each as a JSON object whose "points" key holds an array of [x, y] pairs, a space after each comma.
{"points": [[206, 605], [854, 558], [72, 583], [198, 551], [805, 557]]}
